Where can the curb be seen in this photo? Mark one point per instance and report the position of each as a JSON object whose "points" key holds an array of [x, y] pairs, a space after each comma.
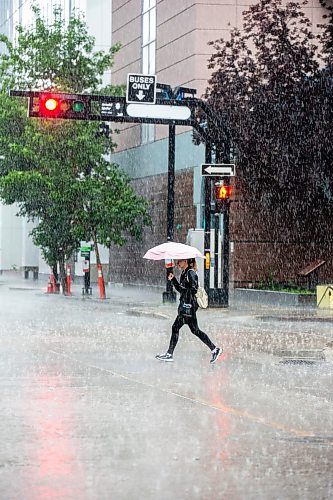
{"points": [[147, 313]]}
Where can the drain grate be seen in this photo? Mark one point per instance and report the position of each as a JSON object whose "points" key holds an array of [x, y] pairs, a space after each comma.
{"points": [[297, 362], [316, 440], [300, 356]]}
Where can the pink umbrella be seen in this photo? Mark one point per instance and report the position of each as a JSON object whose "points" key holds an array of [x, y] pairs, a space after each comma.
{"points": [[173, 250]]}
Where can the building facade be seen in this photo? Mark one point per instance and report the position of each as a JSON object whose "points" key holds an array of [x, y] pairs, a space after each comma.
{"points": [[170, 39]]}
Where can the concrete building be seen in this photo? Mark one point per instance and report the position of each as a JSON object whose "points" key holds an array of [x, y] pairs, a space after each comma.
{"points": [[169, 38]]}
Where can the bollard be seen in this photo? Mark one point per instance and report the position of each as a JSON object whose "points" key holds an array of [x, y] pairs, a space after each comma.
{"points": [[49, 286], [68, 280], [101, 282], [53, 282]]}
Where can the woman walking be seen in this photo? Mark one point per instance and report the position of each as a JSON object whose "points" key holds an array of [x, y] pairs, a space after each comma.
{"points": [[187, 287]]}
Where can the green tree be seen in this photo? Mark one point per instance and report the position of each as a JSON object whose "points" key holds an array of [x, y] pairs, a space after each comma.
{"points": [[50, 165], [263, 86]]}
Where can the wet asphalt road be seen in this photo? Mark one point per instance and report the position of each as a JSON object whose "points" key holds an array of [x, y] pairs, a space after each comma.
{"points": [[88, 413]]}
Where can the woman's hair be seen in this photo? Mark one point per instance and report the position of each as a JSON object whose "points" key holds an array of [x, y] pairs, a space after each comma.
{"points": [[192, 264]]}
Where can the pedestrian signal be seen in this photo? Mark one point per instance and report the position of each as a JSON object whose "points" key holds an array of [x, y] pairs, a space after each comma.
{"points": [[223, 193]]}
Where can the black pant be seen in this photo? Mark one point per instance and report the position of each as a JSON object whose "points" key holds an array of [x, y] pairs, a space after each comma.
{"points": [[193, 326]]}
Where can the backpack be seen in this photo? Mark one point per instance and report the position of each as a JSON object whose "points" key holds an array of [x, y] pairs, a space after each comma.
{"points": [[201, 296]]}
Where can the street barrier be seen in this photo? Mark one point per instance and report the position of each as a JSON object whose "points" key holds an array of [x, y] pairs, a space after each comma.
{"points": [[53, 281], [68, 280], [101, 282]]}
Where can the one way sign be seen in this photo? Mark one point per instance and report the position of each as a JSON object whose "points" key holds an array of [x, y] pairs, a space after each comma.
{"points": [[218, 169], [141, 88]]}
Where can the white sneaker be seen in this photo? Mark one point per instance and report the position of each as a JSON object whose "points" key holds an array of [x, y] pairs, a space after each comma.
{"points": [[165, 357], [216, 353]]}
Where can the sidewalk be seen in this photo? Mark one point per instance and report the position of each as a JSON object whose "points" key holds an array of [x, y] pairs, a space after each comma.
{"points": [[282, 331], [144, 300]]}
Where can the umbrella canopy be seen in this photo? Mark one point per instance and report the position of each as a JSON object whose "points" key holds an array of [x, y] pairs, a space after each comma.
{"points": [[173, 250]]}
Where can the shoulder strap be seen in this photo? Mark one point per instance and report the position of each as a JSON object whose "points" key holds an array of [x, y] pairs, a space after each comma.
{"points": [[188, 272]]}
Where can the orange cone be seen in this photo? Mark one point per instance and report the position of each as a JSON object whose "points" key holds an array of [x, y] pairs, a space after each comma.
{"points": [[101, 282], [53, 284]]}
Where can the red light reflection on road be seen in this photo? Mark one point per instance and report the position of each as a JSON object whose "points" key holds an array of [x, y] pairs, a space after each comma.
{"points": [[216, 381], [220, 458], [58, 473]]}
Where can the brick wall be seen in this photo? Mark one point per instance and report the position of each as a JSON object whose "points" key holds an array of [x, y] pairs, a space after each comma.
{"points": [[126, 263], [265, 244], [277, 245]]}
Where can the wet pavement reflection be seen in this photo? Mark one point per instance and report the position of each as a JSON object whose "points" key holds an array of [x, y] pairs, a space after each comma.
{"points": [[88, 413]]}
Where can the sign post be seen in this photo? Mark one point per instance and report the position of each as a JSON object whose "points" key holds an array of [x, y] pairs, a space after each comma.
{"points": [[217, 175], [85, 252]]}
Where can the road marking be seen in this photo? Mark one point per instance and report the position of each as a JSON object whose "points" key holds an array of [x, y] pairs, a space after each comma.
{"points": [[229, 410]]}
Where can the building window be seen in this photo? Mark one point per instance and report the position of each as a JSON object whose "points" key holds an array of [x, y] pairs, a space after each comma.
{"points": [[148, 55]]}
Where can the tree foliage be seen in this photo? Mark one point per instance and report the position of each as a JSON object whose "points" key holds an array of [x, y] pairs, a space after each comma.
{"points": [[269, 87], [57, 170]]}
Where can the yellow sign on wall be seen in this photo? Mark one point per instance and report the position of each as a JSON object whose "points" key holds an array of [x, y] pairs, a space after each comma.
{"points": [[325, 296]]}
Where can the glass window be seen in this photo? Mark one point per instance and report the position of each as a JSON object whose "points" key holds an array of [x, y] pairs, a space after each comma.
{"points": [[145, 28], [152, 52], [152, 25], [148, 55], [145, 60]]}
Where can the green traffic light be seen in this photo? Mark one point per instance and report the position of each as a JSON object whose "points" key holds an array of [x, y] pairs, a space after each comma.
{"points": [[78, 106]]}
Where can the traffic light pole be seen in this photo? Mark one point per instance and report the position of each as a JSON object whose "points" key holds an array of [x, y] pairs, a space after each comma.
{"points": [[182, 110], [225, 257], [218, 296], [169, 295], [207, 194]]}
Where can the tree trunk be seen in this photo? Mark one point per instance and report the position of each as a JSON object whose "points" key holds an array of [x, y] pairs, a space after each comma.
{"points": [[62, 272], [98, 260], [55, 271]]}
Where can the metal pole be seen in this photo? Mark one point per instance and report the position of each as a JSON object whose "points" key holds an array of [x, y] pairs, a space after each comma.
{"points": [[216, 250], [225, 258], [226, 239], [171, 182], [169, 295], [207, 192]]}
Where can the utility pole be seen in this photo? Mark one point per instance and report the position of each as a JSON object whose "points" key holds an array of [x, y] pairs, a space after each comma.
{"points": [[170, 295]]}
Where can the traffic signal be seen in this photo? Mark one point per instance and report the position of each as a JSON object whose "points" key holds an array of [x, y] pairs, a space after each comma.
{"points": [[223, 193], [61, 106]]}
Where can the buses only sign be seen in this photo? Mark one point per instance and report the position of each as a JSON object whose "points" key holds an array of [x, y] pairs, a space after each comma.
{"points": [[141, 88]]}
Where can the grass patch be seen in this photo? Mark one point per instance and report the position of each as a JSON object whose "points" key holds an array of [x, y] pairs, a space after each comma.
{"points": [[284, 287]]}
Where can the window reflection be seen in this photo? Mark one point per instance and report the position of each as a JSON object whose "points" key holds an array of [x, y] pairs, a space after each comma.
{"points": [[148, 55]]}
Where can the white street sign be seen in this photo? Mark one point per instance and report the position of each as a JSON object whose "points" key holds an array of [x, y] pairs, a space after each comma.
{"points": [[218, 169], [159, 111]]}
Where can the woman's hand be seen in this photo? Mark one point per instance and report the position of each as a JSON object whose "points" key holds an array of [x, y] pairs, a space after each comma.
{"points": [[170, 276]]}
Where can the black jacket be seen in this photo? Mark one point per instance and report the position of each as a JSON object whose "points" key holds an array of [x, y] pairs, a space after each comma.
{"points": [[187, 287]]}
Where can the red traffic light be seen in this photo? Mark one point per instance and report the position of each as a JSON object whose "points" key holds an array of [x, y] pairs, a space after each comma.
{"points": [[223, 192], [59, 105], [51, 104]]}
